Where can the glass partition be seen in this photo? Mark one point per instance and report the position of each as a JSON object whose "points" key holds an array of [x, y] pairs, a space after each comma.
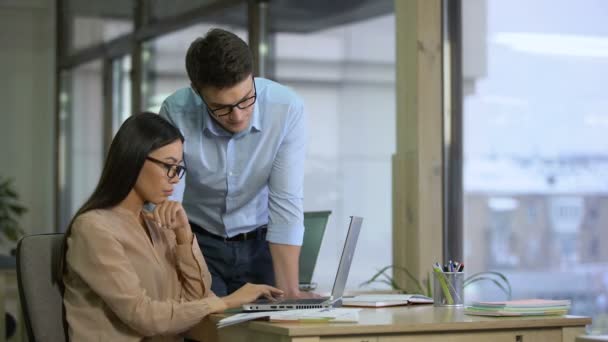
{"points": [[121, 91], [88, 23], [80, 137]]}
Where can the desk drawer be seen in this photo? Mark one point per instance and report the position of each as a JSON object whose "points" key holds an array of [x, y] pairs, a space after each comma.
{"points": [[540, 335]]}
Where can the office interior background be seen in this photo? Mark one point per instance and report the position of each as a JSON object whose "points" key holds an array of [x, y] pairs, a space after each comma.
{"points": [[534, 168]]}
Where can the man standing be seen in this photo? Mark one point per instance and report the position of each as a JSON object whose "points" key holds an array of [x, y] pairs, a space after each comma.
{"points": [[245, 148]]}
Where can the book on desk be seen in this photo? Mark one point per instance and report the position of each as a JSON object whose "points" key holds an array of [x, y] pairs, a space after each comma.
{"points": [[324, 315], [385, 300], [525, 307]]}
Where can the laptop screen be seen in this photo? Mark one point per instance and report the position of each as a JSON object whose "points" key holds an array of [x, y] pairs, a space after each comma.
{"points": [[347, 256]]}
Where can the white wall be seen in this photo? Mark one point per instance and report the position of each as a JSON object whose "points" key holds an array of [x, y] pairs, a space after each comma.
{"points": [[27, 81]]}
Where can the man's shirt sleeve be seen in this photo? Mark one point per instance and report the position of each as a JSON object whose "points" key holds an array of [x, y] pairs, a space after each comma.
{"points": [[285, 185]]}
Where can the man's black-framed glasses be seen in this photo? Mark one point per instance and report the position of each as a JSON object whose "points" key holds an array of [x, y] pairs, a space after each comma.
{"points": [[173, 170], [227, 109]]}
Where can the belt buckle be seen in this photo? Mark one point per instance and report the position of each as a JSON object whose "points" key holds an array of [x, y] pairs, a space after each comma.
{"points": [[239, 237]]}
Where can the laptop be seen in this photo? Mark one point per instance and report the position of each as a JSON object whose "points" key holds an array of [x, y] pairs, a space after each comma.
{"points": [[314, 224], [335, 300]]}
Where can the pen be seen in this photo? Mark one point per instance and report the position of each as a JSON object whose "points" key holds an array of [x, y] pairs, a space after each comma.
{"points": [[461, 267]]}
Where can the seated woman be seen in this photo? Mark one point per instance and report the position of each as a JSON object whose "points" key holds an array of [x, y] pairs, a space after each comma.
{"points": [[131, 274]]}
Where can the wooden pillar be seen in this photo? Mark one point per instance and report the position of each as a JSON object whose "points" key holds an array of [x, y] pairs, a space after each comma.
{"points": [[418, 161]]}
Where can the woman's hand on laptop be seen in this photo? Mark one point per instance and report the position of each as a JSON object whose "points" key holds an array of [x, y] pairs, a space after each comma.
{"points": [[249, 293]]}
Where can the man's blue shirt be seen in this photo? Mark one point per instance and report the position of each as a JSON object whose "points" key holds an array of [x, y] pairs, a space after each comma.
{"points": [[237, 182]]}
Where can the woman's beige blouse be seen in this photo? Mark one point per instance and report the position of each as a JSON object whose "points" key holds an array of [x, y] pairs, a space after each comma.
{"points": [[120, 286]]}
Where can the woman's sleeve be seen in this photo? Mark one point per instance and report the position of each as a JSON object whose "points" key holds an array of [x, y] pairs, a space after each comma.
{"points": [[97, 257], [193, 271]]}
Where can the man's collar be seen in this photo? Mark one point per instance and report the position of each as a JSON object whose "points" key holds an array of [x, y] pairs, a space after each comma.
{"points": [[256, 117]]}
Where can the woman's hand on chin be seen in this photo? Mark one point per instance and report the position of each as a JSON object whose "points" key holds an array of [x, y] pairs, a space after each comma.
{"points": [[171, 215]]}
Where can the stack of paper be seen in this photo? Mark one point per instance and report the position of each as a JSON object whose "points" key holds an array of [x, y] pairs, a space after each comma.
{"points": [[525, 307], [382, 300], [333, 315]]}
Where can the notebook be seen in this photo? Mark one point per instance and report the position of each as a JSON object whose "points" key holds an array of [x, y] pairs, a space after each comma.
{"points": [[331, 315], [525, 307], [335, 300], [383, 300]]}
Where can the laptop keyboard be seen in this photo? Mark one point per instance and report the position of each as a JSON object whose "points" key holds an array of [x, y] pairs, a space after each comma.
{"points": [[304, 301]]}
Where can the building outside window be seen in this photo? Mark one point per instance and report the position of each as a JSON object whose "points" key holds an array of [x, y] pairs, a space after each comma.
{"points": [[535, 121]]}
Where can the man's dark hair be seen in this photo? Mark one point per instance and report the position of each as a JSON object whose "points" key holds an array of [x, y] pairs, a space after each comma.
{"points": [[220, 59]]}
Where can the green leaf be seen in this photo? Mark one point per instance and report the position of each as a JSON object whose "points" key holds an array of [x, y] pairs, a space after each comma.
{"points": [[504, 279], [6, 183], [17, 209], [506, 290], [375, 276], [10, 211], [383, 281], [11, 193], [391, 281], [420, 288], [382, 277]]}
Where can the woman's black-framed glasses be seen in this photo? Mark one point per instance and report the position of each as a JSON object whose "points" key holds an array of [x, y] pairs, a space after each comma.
{"points": [[227, 109], [173, 170]]}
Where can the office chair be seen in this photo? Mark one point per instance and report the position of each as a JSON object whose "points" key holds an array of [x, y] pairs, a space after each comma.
{"points": [[38, 259], [314, 229]]}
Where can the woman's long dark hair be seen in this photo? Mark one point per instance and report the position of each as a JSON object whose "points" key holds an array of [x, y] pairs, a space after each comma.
{"points": [[139, 135]]}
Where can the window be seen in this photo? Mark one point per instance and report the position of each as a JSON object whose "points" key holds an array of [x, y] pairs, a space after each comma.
{"points": [[346, 76], [81, 146], [121, 91], [534, 130], [93, 22]]}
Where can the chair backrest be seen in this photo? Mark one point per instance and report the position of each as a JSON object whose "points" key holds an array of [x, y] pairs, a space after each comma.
{"points": [[38, 260], [314, 228]]}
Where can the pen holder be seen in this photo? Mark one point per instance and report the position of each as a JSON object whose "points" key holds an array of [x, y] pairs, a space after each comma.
{"points": [[448, 288]]}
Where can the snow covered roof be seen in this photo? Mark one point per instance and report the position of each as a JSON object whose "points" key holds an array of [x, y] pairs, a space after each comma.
{"points": [[575, 175]]}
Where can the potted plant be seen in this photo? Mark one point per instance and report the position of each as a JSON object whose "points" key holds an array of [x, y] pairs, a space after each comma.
{"points": [[10, 212], [425, 288]]}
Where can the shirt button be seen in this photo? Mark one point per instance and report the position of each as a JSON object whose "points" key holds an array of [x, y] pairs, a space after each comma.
{"points": [[230, 173]]}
